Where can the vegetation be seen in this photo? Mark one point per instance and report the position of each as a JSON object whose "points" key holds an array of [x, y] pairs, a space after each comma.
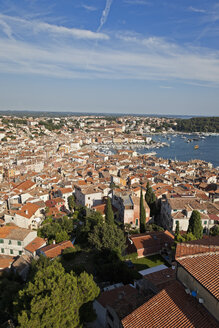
{"points": [[153, 227], [142, 214], [71, 202], [185, 237], [110, 267], [49, 125], [108, 237], [53, 298], [198, 124], [177, 228], [10, 284], [150, 199], [145, 262], [109, 212], [214, 231], [195, 225], [88, 223], [60, 230]]}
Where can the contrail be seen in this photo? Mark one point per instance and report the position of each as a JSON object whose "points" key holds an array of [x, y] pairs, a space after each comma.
{"points": [[105, 14]]}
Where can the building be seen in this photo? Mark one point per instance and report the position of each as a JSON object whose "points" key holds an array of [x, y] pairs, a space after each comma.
{"points": [[13, 240], [156, 242]]}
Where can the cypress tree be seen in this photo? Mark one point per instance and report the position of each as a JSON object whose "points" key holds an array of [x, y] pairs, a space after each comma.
{"points": [[142, 214], [109, 212], [177, 228], [195, 225]]}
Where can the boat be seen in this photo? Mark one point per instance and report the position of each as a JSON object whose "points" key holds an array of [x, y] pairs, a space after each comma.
{"points": [[196, 147]]}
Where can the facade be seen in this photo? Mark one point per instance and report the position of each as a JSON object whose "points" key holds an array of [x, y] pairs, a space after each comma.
{"points": [[14, 239]]}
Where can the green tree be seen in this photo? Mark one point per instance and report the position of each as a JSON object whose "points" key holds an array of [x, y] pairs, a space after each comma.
{"points": [[108, 236], [195, 225], [177, 228], [142, 214], [214, 231], [149, 195], [53, 299], [150, 199], [71, 202], [61, 236], [109, 212]]}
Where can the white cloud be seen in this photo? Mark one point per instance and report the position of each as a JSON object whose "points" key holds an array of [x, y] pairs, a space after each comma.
{"points": [[137, 2], [122, 56], [19, 24], [197, 10], [89, 8]]}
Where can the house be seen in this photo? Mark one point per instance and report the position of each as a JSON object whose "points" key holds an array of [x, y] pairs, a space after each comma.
{"points": [[32, 248], [58, 203], [29, 216], [198, 270], [129, 208], [14, 239], [145, 244], [115, 303], [172, 307], [21, 266], [88, 196], [54, 250], [179, 209]]}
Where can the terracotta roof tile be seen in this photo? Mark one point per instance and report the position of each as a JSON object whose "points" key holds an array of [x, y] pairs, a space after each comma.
{"points": [[205, 269], [55, 250], [35, 244], [171, 308]]}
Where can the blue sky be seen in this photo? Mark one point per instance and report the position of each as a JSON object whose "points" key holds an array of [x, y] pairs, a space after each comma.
{"points": [[128, 56]]}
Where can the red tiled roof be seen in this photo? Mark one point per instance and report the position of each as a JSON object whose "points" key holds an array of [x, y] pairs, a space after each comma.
{"points": [[25, 185], [204, 245], [55, 250], [28, 210], [162, 278], [170, 308], [5, 261], [152, 242], [205, 269], [35, 244]]}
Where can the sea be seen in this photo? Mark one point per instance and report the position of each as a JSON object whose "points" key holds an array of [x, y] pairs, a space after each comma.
{"points": [[180, 149]]}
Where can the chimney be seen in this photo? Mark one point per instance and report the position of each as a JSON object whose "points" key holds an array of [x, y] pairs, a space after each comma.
{"points": [[54, 242], [26, 211]]}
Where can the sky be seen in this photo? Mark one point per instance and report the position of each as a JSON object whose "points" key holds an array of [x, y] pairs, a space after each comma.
{"points": [[110, 56]]}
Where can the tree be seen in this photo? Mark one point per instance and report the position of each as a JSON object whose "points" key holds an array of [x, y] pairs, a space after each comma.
{"points": [[149, 195], [53, 299], [71, 202], [109, 212], [142, 214], [150, 199], [61, 236], [214, 231], [177, 228], [195, 225], [108, 236]]}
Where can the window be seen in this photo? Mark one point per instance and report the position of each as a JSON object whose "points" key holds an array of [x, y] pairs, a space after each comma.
{"points": [[177, 221], [136, 222], [19, 243], [9, 242], [1, 241], [11, 251], [2, 250], [20, 252], [205, 222]]}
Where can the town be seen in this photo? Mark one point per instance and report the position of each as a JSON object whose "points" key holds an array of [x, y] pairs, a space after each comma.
{"points": [[140, 233]]}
